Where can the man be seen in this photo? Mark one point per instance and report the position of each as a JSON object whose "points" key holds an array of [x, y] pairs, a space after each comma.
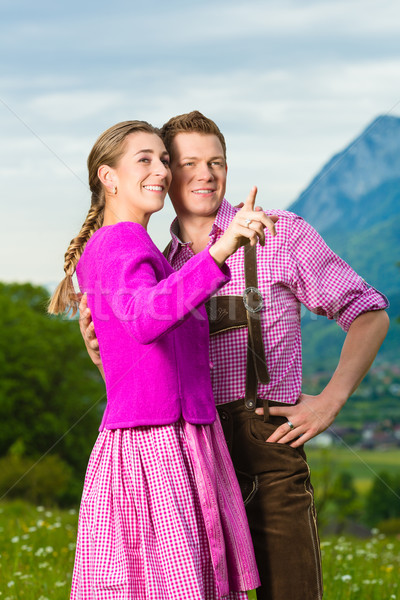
{"points": [[256, 359]]}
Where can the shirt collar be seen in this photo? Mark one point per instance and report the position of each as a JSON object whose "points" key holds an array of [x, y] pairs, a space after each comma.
{"points": [[225, 214]]}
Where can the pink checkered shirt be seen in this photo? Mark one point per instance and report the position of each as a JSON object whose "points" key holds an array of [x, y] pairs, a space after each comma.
{"points": [[295, 267]]}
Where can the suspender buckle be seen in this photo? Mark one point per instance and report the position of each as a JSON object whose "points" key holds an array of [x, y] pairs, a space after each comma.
{"points": [[253, 308]]}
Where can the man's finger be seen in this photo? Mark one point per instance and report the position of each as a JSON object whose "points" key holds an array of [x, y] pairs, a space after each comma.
{"points": [[251, 199], [83, 303], [259, 229]]}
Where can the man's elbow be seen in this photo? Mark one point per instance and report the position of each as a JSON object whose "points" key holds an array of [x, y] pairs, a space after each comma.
{"points": [[385, 321], [381, 322]]}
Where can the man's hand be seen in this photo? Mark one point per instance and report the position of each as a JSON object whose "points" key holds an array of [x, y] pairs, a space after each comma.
{"points": [[247, 227], [273, 218], [86, 326], [313, 414], [309, 417]]}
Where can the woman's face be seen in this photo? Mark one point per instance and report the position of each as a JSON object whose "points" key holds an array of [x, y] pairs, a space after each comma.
{"points": [[142, 177]]}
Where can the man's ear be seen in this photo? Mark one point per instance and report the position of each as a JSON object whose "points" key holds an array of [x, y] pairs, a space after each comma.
{"points": [[107, 177]]}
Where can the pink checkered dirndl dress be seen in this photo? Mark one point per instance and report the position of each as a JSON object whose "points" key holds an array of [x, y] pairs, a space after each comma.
{"points": [[162, 518]]}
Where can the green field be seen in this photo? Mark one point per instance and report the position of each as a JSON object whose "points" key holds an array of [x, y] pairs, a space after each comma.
{"points": [[37, 552], [363, 465]]}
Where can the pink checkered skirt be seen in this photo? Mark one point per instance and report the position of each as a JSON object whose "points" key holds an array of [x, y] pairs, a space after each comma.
{"points": [[162, 518]]}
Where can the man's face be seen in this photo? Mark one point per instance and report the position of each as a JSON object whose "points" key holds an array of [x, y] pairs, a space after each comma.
{"points": [[198, 174]]}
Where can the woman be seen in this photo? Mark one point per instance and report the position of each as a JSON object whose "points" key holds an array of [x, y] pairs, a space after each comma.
{"points": [[161, 514]]}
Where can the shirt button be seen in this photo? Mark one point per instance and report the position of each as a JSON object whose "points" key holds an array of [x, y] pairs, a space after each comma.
{"points": [[211, 364]]}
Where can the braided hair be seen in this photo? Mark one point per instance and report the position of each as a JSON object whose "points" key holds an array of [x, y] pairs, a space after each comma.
{"points": [[108, 149]]}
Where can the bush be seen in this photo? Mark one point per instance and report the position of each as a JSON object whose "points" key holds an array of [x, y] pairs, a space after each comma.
{"points": [[389, 527], [382, 502], [49, 481]]}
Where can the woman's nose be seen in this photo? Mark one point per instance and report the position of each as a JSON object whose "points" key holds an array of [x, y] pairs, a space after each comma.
{"points": [[162, 170]]}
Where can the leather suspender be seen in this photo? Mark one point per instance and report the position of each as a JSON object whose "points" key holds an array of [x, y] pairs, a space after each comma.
{"points": [[256, 370], [233, 312]]}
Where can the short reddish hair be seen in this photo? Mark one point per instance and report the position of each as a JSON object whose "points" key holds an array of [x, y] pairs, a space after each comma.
{"points": [[193, 122]]}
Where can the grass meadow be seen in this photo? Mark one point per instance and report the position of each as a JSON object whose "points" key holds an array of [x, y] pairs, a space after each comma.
{"points": [[37, 552], [363, 465]]}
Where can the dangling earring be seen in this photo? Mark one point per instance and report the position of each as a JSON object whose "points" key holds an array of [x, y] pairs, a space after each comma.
{"points": [[115, 190]]}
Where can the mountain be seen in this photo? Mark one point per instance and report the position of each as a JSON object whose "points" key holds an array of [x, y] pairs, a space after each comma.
{"points": [[354, 203], [335, 196]]}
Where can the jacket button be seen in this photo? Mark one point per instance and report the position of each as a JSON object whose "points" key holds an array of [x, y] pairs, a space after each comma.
{"points": [[224, 415]]}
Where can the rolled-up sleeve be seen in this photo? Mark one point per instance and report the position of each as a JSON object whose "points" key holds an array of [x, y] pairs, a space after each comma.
{"points": [[324, 282]]}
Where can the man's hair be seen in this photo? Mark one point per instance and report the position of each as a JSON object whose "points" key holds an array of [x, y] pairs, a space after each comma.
{"points": [[193, 122]]}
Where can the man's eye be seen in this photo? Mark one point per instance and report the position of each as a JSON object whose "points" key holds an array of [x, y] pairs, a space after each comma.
{"points": [[217, 162], [188, 164]]}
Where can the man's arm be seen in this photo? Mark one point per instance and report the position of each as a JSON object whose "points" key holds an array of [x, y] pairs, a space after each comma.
{"points": [[313, 414], [89, 336]]}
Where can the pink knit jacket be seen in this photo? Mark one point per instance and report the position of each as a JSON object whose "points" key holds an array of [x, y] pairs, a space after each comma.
{"points": [[152, 327]]}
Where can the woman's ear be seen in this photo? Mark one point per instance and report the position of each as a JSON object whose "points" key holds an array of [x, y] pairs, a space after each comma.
{"points": [[107, 177]]}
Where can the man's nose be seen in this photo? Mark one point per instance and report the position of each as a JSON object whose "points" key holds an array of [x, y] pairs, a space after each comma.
{"points": [[204, 173]]}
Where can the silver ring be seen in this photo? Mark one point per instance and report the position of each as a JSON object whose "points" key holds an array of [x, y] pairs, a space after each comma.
{"points": [[290, 424], [247, 222]]}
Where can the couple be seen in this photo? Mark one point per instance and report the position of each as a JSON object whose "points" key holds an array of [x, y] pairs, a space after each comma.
{"points": [[160, 508]]}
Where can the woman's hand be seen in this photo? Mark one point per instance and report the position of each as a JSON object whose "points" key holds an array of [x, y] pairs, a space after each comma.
{"points": [[247, 227]]}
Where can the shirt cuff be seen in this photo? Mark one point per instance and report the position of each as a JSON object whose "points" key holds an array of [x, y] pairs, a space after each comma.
{"points": [[369, 300]]}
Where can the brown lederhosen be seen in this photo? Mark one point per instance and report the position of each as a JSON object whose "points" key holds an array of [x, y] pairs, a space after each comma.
{"points": [[274, 478]]}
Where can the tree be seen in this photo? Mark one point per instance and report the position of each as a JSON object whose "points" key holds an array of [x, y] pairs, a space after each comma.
{"points": [[383, 500], [51, 396]]}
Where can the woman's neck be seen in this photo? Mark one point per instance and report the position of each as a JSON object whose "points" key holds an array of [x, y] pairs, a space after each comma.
{"points": [[112, 216]]}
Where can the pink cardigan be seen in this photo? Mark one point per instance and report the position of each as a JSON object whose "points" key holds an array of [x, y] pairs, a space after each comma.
{"points": [[152, 327]]}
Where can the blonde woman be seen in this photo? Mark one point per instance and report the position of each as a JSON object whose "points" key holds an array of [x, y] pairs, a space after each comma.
{"points": [[161, 514]]}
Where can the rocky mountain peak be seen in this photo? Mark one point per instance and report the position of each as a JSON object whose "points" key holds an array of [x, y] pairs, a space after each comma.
{"points": [[370, 160]]}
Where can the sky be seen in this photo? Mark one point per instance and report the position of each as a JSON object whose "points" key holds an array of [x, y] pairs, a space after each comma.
{"points": [[289, 83]]}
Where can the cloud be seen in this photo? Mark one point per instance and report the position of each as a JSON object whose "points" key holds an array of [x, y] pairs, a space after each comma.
{"points": [[289, 84]]}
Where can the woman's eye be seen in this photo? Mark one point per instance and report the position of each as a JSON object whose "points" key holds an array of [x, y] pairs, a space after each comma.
{"points": [[165, 162], [144, 160]]}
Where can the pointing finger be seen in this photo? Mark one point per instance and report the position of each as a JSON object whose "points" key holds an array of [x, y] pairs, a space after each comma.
{"points": [[251, 198]]}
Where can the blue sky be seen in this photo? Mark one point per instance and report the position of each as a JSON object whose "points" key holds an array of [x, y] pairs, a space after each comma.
{"points": [[289, 83]]}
